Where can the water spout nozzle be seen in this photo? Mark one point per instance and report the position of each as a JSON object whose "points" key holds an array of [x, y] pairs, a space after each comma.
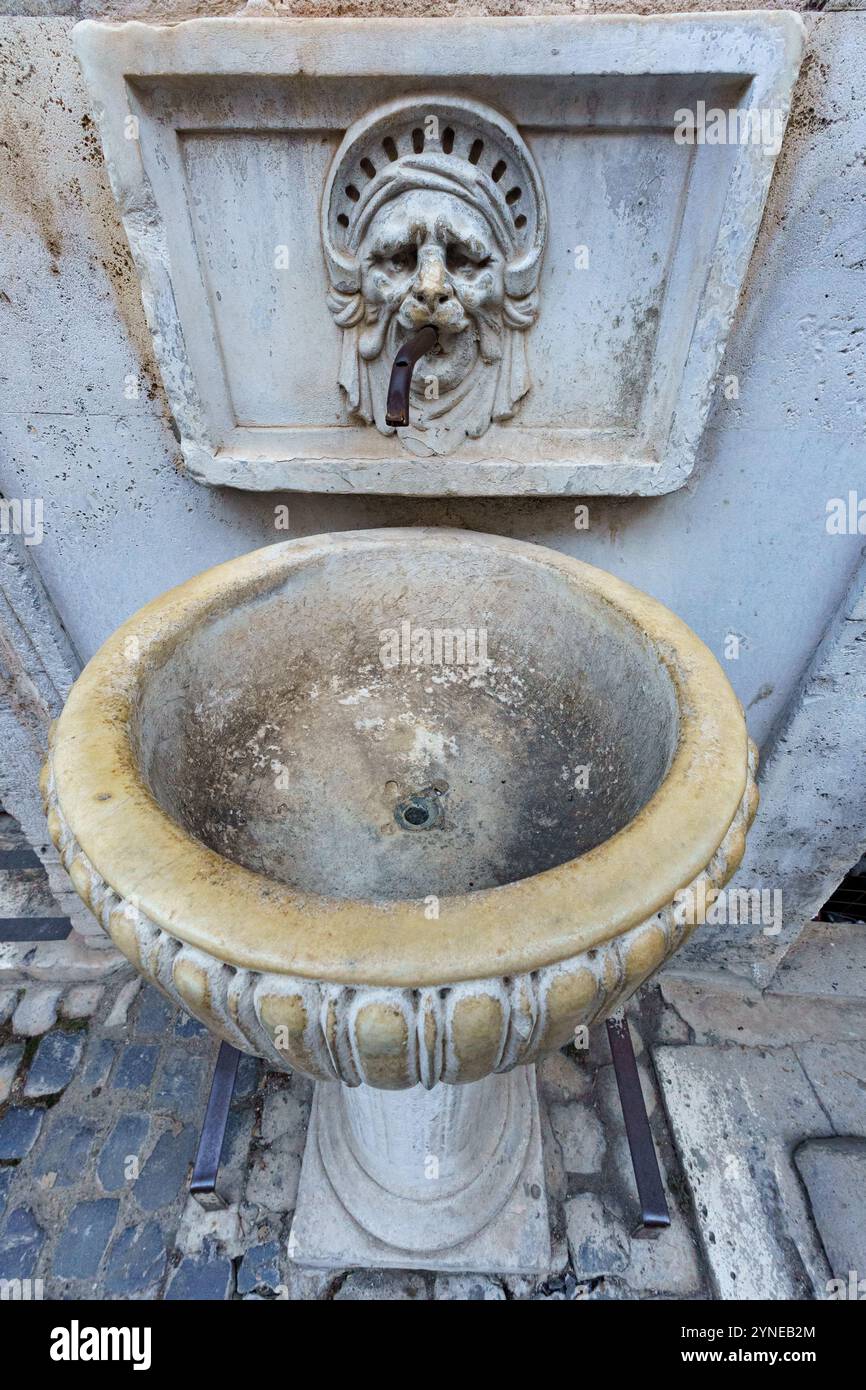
{"points": [[397, 405]]}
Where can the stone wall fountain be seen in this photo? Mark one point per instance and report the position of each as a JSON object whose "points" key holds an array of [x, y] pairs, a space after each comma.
{"points": [[288, 185], [404, 809]]}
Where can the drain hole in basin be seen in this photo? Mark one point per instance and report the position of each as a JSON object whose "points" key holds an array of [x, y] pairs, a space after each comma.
{"points": [[418, 813]]}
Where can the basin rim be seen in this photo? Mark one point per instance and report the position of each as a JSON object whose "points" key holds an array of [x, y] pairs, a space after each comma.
{"points": [[251, 921]]}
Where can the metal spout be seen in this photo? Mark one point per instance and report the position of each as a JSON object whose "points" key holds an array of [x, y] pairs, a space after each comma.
{"points": [[397, 405]]}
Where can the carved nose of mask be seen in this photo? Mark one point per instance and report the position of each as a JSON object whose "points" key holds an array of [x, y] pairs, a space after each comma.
{"points": [[431, 289]]}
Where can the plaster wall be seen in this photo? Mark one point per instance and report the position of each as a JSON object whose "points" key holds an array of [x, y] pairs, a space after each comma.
{"points": [[742, 551]]}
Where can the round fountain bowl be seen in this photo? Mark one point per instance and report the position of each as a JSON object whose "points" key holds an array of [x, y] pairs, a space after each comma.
{"points": [[400, 806]]}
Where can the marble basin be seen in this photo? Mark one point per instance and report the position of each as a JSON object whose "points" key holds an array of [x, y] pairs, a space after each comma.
{"points": [[396, 808]]}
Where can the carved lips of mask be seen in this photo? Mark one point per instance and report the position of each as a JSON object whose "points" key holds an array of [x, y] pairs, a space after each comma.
{"points": [[431, 259]]}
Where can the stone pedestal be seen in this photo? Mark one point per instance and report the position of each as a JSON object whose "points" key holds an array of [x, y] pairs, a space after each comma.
{"points": [[446, 1179]]}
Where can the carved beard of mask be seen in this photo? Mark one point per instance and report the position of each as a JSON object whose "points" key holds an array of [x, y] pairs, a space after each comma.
{"points": [[430, 258]]}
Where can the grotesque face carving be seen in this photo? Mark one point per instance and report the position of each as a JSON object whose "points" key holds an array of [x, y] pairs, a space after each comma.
{"points": [[431, 258], [448, 231]]}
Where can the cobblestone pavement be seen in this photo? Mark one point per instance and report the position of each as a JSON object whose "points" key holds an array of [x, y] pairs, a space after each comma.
{"points": [[98, 1127], [757, 1104]]}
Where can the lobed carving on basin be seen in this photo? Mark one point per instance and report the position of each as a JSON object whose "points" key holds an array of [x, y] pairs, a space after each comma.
{"points": [[395, 1038], [551, 910]]}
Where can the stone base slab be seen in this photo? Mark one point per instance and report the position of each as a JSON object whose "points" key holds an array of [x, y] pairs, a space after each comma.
{"points": [[516, 1241]]}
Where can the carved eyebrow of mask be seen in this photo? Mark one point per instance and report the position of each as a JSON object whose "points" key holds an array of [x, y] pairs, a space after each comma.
{"points": [[469, 150], [417, 230]]}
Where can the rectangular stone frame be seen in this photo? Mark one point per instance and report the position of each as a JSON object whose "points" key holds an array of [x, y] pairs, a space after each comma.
{"points": [[754, 55]]}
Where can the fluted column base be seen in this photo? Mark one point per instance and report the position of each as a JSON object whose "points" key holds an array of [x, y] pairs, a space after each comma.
{"points": [[447, 1179]]}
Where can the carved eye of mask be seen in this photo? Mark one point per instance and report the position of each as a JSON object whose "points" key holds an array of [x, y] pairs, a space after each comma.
{"points": [[399, 261], [459, 258]]}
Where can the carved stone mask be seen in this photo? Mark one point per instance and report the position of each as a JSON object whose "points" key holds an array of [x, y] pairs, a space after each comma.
{"points": [[441, 223]]}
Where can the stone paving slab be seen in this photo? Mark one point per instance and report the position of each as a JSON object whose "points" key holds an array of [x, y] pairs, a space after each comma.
{"points": [[829, 960], [36, 1011], [837, 1072], [10, 1060], [752, 1019], [736, 1114], [834, 1172], [54, 1064], [19, 1129]]}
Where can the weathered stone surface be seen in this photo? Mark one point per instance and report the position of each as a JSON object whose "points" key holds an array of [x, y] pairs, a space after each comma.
{"points": [[235, 1153], [837, 1071], [54, 1065], [52, 963], [64, 1150], [86, 1234], [618, 1164], [562, 1079], [121, 1005], [166, 1170], [283, 1115], [437, 1201], [231, 1229], [136, 1262], [260, 1268], [555, 1180], [36, 1011], [596, 1239], [81, 1001], [736, 1115], [274, 1174], [5, 1184], [180, 1085], [207, 1277], [374, 1285], [188, 1027], [467, 1288], [8, 1000], [829, 960], [125, 1142], [135, 1067], [558, 1253], [248, 1073], [834, 1171], [666, 1265], [580, 1135], [741, 1014], [97, 1062], [153, 1013], [21, 1239], [24, 892], [19, 1130], [312, 1284], [671, 1027], [10, 1058]]}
